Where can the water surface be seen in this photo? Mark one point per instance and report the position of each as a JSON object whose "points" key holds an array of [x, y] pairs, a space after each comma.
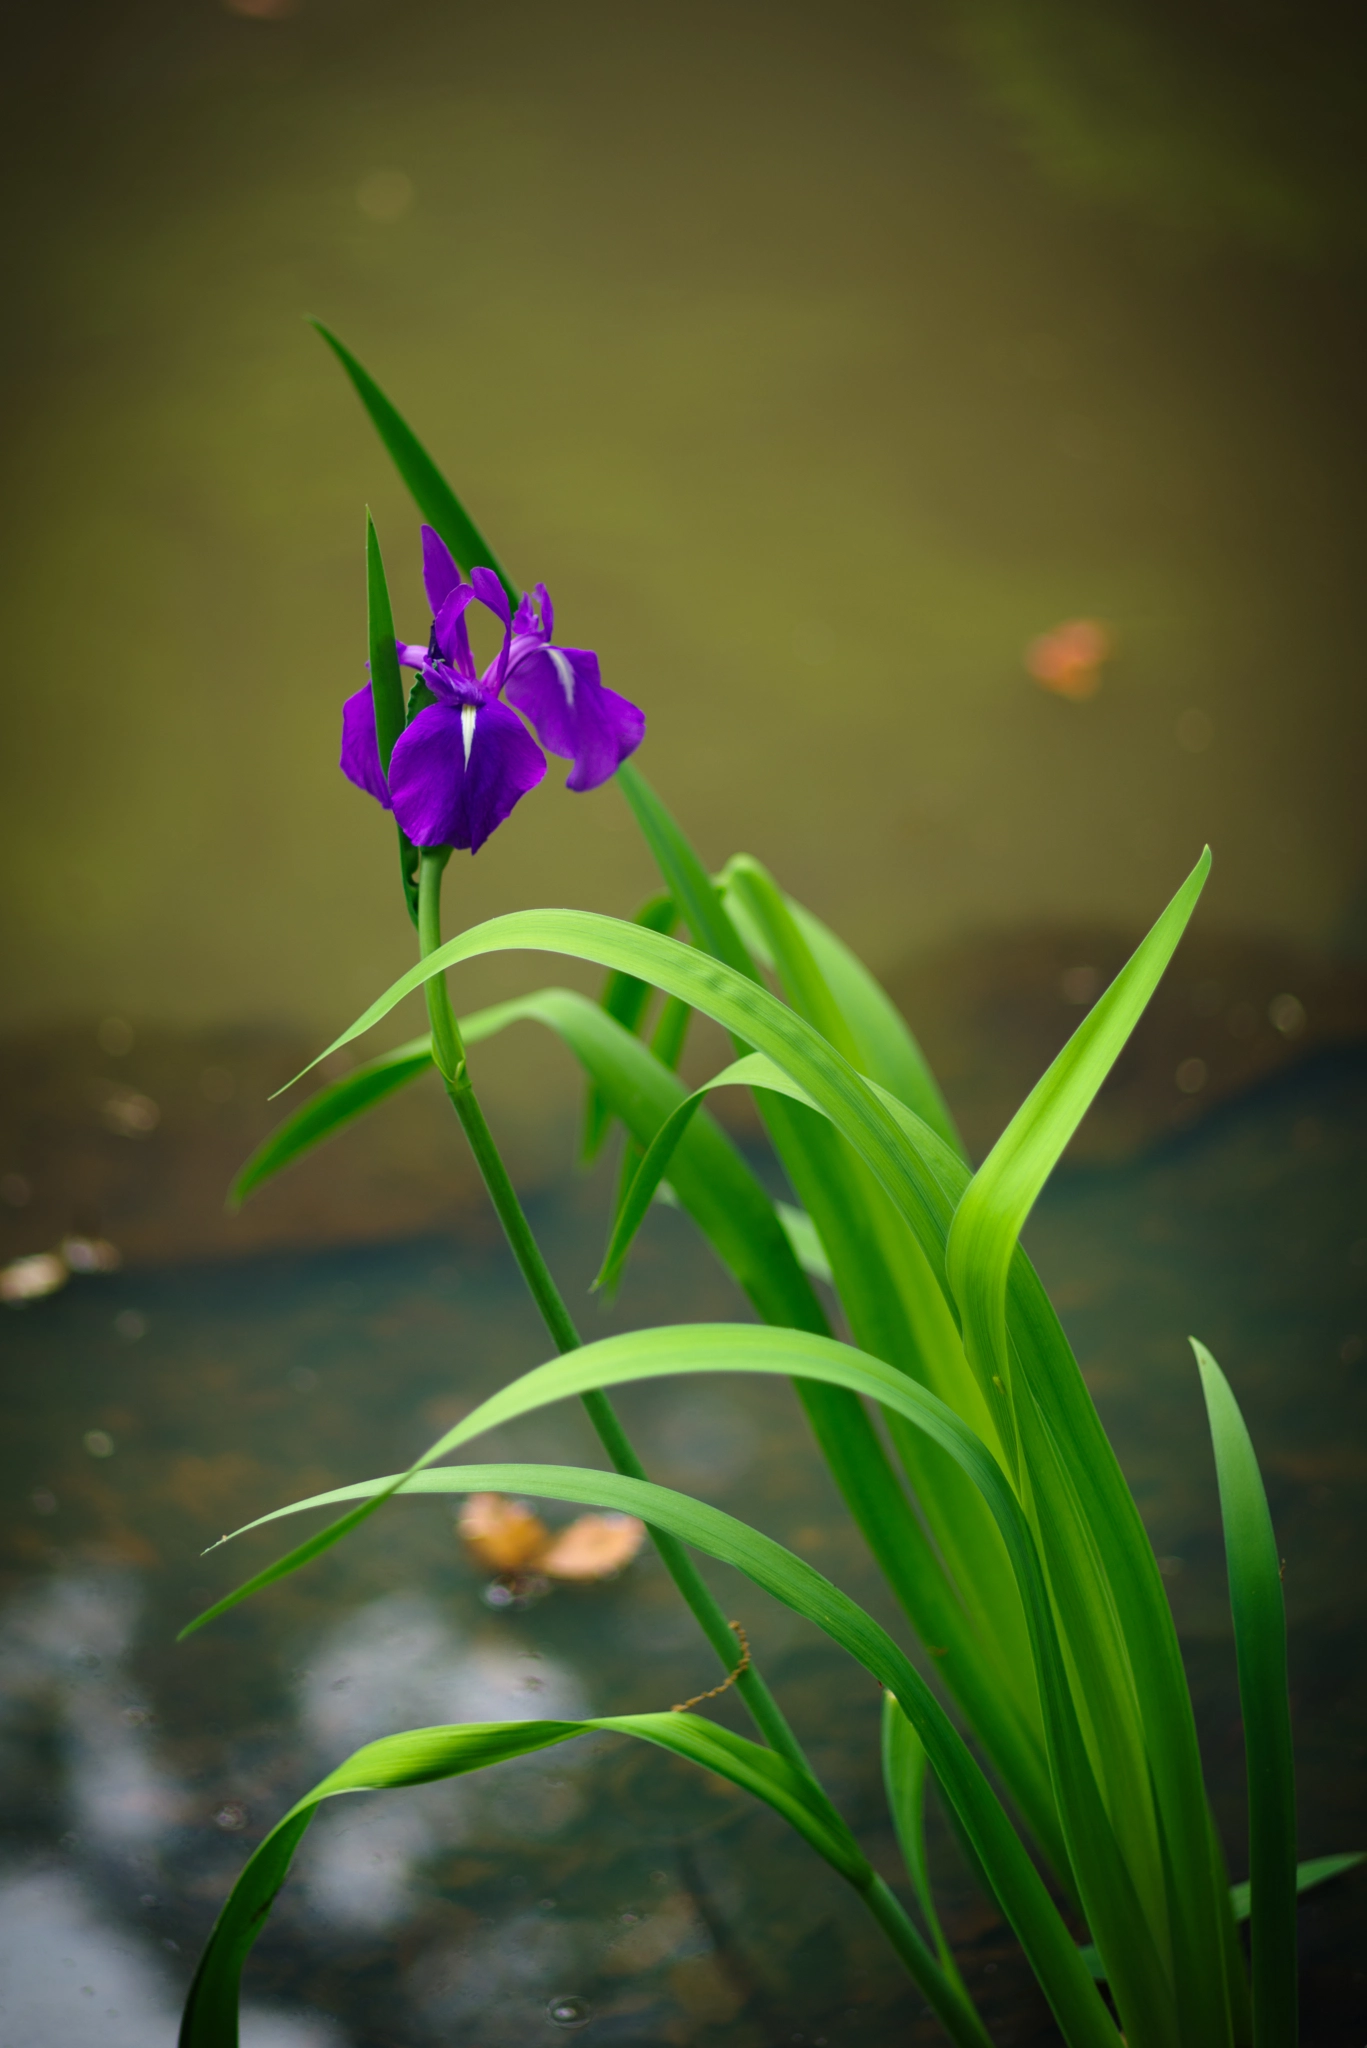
{"points": [[137, 1774]]}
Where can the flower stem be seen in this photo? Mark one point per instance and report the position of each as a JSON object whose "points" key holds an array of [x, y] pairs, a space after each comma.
{"points": [[448, 1051]]}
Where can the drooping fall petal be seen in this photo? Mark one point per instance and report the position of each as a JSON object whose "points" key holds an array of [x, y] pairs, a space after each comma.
{"points": [[457, 771], [361, 749], [575, 716]]}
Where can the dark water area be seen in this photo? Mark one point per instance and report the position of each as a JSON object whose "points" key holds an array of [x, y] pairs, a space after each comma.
{"points": [[153, 1409]]}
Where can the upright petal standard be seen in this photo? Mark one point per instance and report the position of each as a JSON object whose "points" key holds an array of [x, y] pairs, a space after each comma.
{"points": [[464, 759]]}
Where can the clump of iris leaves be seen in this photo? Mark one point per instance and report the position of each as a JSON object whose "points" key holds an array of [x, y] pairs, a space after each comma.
{"points": [[1023, 1564]]}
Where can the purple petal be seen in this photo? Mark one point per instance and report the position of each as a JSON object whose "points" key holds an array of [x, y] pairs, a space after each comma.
{"points": [[360, 748], [449, 629], [574, 715], [489, 590], [535, 616], [410, 655], [457, 771], [440, 575]]}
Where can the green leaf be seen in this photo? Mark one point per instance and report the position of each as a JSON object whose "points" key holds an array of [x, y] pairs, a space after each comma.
{"points": [[905, 1769], [422, 1756], [1015, 1881], [1259, 1611], [1004, 1189], [805, 1240], [924, 1178], [437, 502], [1095, 1858], [1315, 1870], [888, 1052], [1130, 1580], [914, 1177], [692, 888], [386, 691], [625, 998], [921, 1174], [330, 1110], [386, 684], [897, 1311], [752, 1072]]}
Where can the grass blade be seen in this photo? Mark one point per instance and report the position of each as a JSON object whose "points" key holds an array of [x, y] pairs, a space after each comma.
{"points": [[805, 1239], [1259, 1611], [1063, 1976], [754, 1071], [638, 1196], [437, 502], [422, 1756], [329, 1111], [1314, 1871], [386, 691], [625, 998], [834, 990], [905, 1771], [1004, 1189], [386, 684], [914, 1177]]}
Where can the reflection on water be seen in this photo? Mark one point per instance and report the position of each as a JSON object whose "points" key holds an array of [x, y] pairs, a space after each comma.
{"points": [[402, 1662], [73, 1977], [599, 1887]]}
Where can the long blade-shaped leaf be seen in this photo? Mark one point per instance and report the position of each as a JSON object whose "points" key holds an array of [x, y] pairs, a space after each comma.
{"points": [[422, 1756], [1255, 1598], [743, 1007], [754, 1071], [625, 998], [905, 1770], [1315, 1870], [798, 1585], [437, 502], [330, 1110], [386, 691], [920, 1173], [386, 684], [1004, 1189]]}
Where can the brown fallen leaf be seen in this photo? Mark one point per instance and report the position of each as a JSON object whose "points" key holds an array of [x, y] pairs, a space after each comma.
{"points": [[593, 1547], [506, 1538], [501, 1534]]}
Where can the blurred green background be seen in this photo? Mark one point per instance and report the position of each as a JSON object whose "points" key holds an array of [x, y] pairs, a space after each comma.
{"points": [[816, 360]]}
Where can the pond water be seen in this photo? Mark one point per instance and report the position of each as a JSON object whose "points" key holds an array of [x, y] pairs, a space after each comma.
{"points": [[601, 1887]]}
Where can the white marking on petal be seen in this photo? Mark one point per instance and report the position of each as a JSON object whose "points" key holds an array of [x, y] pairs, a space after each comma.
{"points": [[467, 728], [565, 673]]}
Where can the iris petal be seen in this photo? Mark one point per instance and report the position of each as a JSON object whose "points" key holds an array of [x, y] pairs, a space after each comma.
{"points": [[361, 749], [446, 796], [574, 715], [440, 575], [490, 592], [449, 629]]}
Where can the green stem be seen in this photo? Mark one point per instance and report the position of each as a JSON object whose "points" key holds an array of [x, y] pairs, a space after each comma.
{"points": [[945, 1994]]}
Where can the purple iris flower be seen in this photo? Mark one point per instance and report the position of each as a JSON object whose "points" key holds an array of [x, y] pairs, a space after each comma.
{"points": [[462, 763]]}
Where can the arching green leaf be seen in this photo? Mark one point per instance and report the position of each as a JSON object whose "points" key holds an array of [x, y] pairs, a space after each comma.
{"points": [[1065, 1980]]}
